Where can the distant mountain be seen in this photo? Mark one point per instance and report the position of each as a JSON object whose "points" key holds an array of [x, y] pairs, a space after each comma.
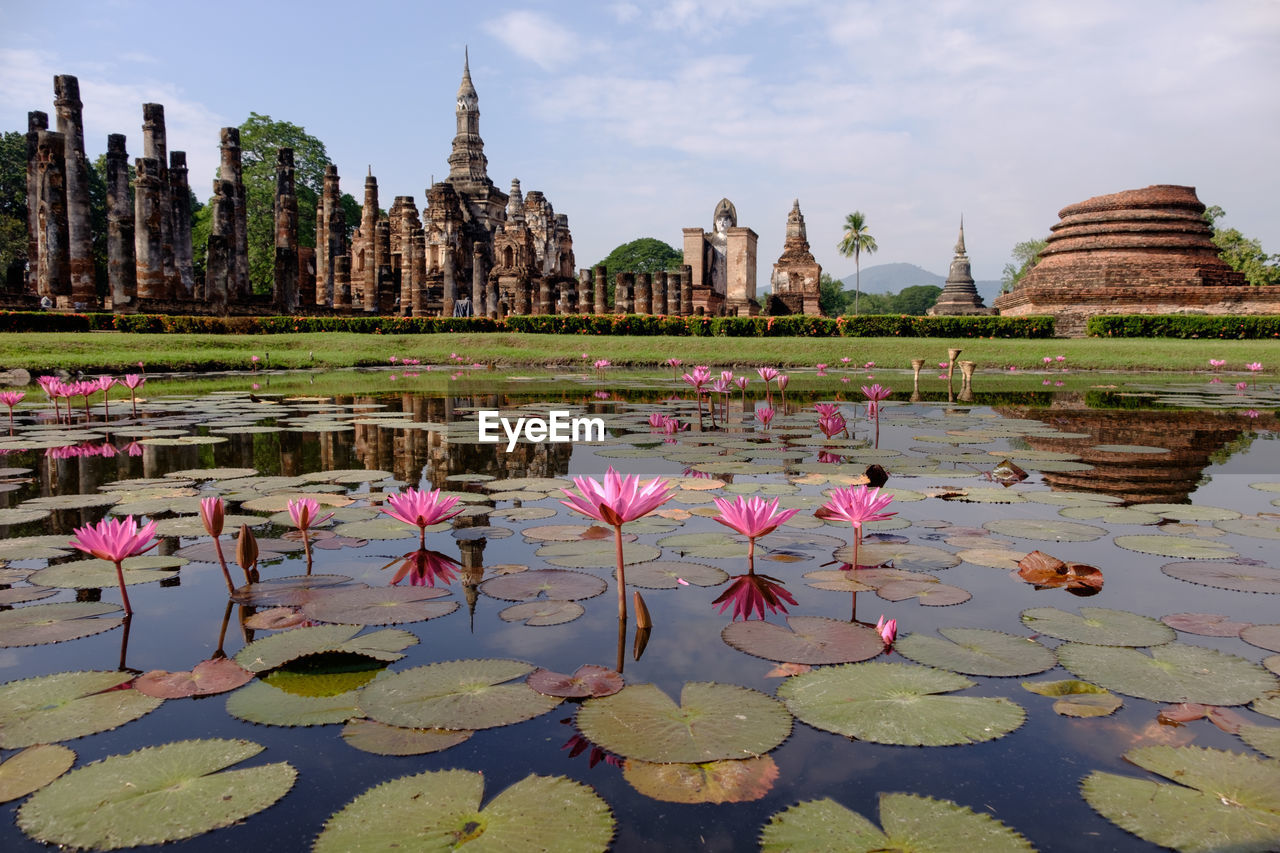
{"points": [[892, 278]]}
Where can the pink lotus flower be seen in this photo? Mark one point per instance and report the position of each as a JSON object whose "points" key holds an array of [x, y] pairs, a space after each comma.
{"points": [[741, 382], [1061, 359], [832, 425], [845, 359], [1254, 366], [212, 514], [868, 365], [1059, 383], [1215, 380], [11, 399], [875, 394], [421, 508], [1242, 386], [752, 517], [765, 416], [943, 365], [657, 419], [822, 369], [304, 512], [392, 359], [133, 381], [783, 381], [116, 539], [753, 593], [601, 363], [826, 410], [698, 378], [1048, 359], [424, 568], [726, 376], [887, 630], [673, 363], [857, 505], [134, 449], [1216, 363], [844, 379], [767, 374], [1251, 413]]}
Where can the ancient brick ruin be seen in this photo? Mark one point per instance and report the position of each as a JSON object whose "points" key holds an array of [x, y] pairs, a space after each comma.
{"points": [[722, 265], [959, 295], [1147, 251], [796, 275]]}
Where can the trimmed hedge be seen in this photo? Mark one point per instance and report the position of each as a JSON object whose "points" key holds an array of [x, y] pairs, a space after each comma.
{"points": [[569, 324], [1183, 326]]}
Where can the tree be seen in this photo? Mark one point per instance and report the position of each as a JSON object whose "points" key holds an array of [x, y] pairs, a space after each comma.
{"points": [[1242, 253], [1025, 256], [832, 298], [916, 300], [856, 241], [647, 254], [13, 205]]}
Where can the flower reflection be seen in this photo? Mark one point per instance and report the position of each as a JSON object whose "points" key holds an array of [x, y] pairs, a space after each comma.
{"points": [[753, 593], [424, 567]]}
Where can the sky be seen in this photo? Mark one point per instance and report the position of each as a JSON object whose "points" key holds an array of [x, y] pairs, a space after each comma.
{"points": [[636, 118]]}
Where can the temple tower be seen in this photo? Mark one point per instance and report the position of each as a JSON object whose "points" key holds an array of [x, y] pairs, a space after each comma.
{"points": [[68, 107], [796, 274], [959, 295], [467, 162]]}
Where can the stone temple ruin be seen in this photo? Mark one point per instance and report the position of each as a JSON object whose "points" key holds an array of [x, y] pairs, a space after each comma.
{"points": [[959, 294]]}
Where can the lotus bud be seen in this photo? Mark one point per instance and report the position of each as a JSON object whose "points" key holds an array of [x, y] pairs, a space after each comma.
{"points": [[643, 619], [212, 513], [246, 548]]}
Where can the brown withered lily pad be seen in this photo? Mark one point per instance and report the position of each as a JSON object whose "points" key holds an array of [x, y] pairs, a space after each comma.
{"points": [[587, 680], [1225, 719], [286, 592], [1205, 624], [1048, 572], [1263, 636], [275, 619], [1238, 576], [205, 679], [734, 781], [382, 739], [542, 612], [806, 640], [388, 605], [929, 593], [559, 584]]}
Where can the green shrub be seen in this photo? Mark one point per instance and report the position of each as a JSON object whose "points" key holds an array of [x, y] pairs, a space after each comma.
{"points": [[1183, 326]]}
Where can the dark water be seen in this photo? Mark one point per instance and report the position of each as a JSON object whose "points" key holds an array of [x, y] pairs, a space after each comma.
{"points": [[1028, 779]]}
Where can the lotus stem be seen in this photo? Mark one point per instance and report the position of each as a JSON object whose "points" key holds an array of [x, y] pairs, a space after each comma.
{"points": [[622, 577], [124, 594], [222, 561]]}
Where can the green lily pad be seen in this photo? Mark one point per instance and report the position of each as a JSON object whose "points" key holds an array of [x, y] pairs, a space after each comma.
{"points": [[1257, 526], [1109, 514], [22, 515], [384, 527], [278, 649], [996, 558], [1268, 705], [1190, 512], [67, 705], [1224, 800], [1099, 626], [712, 722], [910, 822], [391, 605], [32, 769], [1077, 698], [897, 703], [806, 639], [192, 526], [55, 623], [596, 554], [536, 813], [929, 592], [543, 612], [911, 558], [1176, 546], [559, 584], [211, 474], [347, 475], [101, 574], [667, 574], [977, 651], [707, 546], [1174, 672], [460, 694], [327, 674], [838, 580], [90, 501], [259, 702], [382, 739], [740, 781], [1265, 739], [1046, 529], [1238, 576], [155, 795]]}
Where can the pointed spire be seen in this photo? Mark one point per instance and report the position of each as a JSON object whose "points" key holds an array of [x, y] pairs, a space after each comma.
{"points": [[960, 241], [515, 203], [466, 89]]}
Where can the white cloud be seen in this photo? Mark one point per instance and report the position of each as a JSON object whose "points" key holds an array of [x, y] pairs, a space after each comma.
{"points": [[535, 37]]}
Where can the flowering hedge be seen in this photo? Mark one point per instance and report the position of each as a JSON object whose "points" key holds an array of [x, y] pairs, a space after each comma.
{"points": [[1182, 326]]}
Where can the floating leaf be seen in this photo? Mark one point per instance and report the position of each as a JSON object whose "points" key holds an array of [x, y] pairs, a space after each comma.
{"points": [[1047, 571], [559, 584], [278, 649], [930, 593], [1174, 672], [996, 558], [392, 605], [596, 554], [806, 639], [55, 623], [261, 703], [1109, 514], [1099, 626], [977, 651], [32, 769], [911, 558], [1077, 698], [382, 739], [155, 795], [712, 722], [461, 694], [1263, 636], [67, 705], [839, 580], [1048, 529], [1230, 801], [587, 680], [1190, 512], [910, 822], [1265, 739], [275, 619], [206, 678], [536, 813], [1238, 576], [897, 703], [707, 546], [285, 592], [1204, 624], [667, 574], [1257, 526], [542, 612], [327, 674], [101, 574], [742, 781], [1176, 546]]}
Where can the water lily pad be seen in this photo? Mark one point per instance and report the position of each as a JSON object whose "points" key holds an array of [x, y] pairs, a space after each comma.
{"points": [[1238, 576], [1109, 514], [712, 722], [22, 515], [101, 574], [1257, 526], [205, 679], [393, 605], [930, 593], [1048, 529], [1263, 636], [461, 694], [1077, 698], [559, 584], [192, 526], [260, 702], [391, 816], [996, 558], [67, 705], [278, 649], [1224, 800], [348, 475], [211, 474], [1098, 626], [543, 612], [910, 822], [22, 594], [55, 623], [292, 591], [587, 680], [806, 639], [155, 795], [1174, 672], [911, 558], [1204, 624], [382, 739], [1176, 546], [73, 501], [32, 769], [279, 501], [977, 651], [667, 574], [1268, 705], [742, 781], [523, 513], [596, 554], [838, 580], [1265, 739], [897, 703], [707, 546]]}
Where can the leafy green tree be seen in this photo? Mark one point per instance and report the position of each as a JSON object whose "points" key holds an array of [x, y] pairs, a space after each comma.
{"points": [[1025, 256], [916, 300], [857, 240], [647, 254], [13, 205], [833, 300], [1242, 253]]}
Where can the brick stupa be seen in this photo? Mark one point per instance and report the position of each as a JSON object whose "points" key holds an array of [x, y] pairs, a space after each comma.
{"points": [[959, 295], [1147, 251]]}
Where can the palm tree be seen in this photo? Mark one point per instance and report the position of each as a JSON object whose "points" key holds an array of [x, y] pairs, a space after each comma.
{"points": [[855, 242]]}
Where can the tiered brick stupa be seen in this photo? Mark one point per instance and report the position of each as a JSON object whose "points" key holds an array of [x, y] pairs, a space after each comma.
{"points": [[1147, 251], [959, 295]]}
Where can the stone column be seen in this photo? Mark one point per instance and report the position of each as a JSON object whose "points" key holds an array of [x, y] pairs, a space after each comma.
{"points": [[408, 251], [644, 293], [659, 303], [285, 272], [686, 291], [491, 295], [544, 296], [79, 233], [418, 271], [155, 147], [335, 229], [584, 291], [53, 260], [36, 122], [478, 307], [521, 305], [450, 285], [385, 292], [219, 278], [623, 287], [183, 255], [342, 281], [148, 227], [324, 280], [600, 294], [230, 169], [368, 224], [122, 273]]}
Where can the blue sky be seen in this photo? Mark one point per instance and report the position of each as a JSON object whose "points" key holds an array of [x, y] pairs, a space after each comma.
{"points": [[636, 118]]}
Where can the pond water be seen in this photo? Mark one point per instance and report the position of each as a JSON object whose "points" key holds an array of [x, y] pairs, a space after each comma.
{"points": [[1169, 492]]}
